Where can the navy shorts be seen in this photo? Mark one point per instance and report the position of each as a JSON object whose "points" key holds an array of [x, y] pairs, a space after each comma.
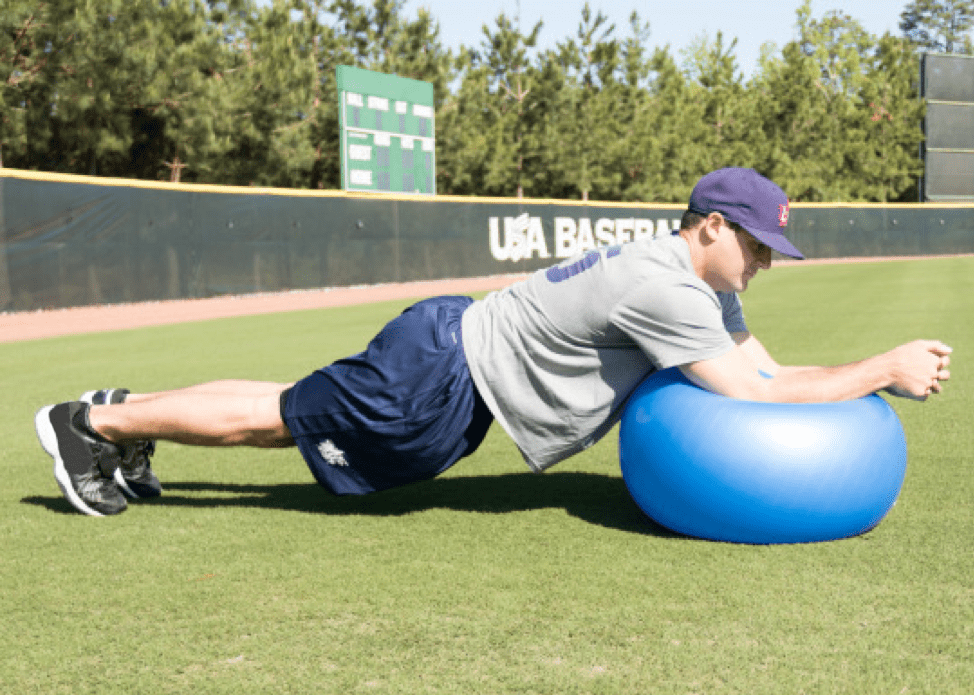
{"points": [[404, 410]]}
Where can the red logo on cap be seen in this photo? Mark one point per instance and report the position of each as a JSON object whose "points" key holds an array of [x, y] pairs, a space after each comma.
{"points": [[783, 215]]}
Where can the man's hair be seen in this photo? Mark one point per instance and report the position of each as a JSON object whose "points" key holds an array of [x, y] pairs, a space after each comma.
{"points": [[691, 219]]}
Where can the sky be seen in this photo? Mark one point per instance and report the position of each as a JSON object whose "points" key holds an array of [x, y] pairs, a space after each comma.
{"points": [[671, 22]]}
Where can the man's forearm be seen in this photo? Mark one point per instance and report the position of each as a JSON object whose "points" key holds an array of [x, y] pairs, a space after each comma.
{"points": [[845, 382], [914, 370]]}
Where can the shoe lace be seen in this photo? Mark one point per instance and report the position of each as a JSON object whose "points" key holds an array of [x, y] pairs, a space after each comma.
{"points": [[135, 459]]}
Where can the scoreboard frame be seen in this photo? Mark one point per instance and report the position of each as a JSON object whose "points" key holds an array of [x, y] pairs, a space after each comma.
{"points": [[388, 132]]}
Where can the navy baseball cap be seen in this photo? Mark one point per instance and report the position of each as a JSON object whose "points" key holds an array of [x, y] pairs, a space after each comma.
{"points": [[746, 198]]}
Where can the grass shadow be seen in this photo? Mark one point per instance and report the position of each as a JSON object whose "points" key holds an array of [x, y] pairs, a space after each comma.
{"points": [[597, 499]]}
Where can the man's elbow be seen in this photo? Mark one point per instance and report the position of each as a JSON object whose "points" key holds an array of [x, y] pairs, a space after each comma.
{"points": [[754, 390], [755, 387]]}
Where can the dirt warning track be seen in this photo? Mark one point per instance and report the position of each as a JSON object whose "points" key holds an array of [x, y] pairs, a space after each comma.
{"points": [[33, 325]]}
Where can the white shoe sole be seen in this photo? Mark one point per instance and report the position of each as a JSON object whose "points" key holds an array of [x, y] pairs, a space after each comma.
{"points": [[48, 440]]}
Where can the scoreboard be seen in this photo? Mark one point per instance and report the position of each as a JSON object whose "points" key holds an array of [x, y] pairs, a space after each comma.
{"points": [[947, 84], [387, 132]]}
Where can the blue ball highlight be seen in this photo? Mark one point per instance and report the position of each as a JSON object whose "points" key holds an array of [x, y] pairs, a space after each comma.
{"points": [[722, 469]]}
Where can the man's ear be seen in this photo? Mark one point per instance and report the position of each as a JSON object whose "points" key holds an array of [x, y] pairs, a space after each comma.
{"points": [[711, 228]]}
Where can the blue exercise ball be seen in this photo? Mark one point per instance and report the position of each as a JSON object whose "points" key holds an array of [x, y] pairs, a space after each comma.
{"points": [[724, 469]]}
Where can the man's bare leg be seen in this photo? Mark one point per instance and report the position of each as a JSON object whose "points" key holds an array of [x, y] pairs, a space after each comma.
{"points": [[221, 413], [226, 387]]}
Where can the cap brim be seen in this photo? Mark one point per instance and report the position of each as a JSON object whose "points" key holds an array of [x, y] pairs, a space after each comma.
{"points": [[778, 242]]}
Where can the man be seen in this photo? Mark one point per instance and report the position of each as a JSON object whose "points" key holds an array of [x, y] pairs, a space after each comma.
{"points": [[553, 359]]}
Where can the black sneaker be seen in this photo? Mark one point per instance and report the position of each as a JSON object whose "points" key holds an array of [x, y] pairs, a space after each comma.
{"points": [[134, 477], [83, 466]]}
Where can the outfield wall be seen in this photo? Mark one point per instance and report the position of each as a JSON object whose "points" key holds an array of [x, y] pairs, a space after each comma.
{"points": [[75, 241]]}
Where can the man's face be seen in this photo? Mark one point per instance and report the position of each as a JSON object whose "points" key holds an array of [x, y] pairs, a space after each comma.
{"points": [[757, 256], [739, 257]]}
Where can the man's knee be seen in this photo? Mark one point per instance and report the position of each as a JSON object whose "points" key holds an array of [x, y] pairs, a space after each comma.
{"points": [[266, 428]]}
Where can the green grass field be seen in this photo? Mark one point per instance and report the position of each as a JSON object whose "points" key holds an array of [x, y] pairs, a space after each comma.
{"points": [[245, 577]]}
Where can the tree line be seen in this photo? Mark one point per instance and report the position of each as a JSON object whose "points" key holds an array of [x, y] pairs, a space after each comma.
{"points": [[235, 92]]}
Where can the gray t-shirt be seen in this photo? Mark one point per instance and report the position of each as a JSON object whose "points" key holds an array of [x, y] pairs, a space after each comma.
{"points": [[556, 356]]}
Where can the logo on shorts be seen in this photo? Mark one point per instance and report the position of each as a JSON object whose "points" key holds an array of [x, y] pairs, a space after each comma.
{"points": [[332, 454]]}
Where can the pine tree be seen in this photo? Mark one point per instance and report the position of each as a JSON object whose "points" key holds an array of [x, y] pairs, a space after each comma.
{"points": [[502, 81], [939, 25], [584, 124], [667, 123], [277, 101], [814, 125], [183, 111], [892, 113], [461, 130], [34, 40], [793, 112], [729, 127], [118, 88], [632, 104], [384, 39]]}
